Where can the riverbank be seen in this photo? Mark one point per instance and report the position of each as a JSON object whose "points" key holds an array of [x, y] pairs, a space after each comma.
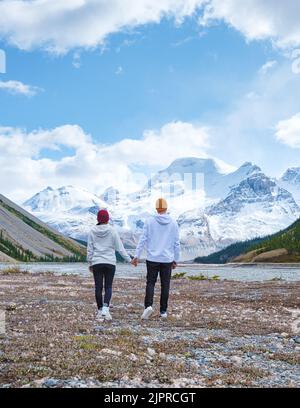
{"points": [[219, 334]]}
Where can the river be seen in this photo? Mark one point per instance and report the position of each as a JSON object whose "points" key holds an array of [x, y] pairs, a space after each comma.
{"points": [[230, 272]]}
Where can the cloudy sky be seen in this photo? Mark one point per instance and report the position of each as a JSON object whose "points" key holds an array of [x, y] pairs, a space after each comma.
{"points": [[97, 90]]}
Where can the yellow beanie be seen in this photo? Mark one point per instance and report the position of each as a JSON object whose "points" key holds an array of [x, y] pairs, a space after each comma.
{"points": [[161, 204]]}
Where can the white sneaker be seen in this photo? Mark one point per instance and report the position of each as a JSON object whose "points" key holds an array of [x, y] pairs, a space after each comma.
{"points": [[164, 315], [147, 313], [99, 315], [105, 313]]}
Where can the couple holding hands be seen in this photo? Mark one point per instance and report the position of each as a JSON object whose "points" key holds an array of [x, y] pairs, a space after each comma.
{"points": [[160, 239]]}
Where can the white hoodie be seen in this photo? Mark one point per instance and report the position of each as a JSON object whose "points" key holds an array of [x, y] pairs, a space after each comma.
{"points": [[161, 239], [103, 242]]}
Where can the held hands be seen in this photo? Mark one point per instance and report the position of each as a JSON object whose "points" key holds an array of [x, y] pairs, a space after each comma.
{"points": [[134, 262], [90, 268], [174, 265]]}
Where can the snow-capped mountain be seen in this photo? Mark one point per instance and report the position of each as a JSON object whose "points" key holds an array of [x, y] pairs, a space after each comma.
{"points": [[66, 198], [255, 207], [213, 207], [194, 174], [291, 182], [68, 209]]}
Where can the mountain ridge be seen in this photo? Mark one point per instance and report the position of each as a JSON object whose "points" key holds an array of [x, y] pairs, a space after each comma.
{"points": [[225, 208]]}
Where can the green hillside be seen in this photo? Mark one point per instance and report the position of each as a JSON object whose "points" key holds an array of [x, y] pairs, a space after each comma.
{"points": [[284, 246], [228, 253], [25, 238], [288, 239]]}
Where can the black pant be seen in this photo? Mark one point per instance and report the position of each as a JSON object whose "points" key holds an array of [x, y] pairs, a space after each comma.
{"points": [[104, 272], [164, 270]]}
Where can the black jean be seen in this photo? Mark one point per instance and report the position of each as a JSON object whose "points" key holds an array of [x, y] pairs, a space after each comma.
{"points": [[164, 270], [106, 273]]}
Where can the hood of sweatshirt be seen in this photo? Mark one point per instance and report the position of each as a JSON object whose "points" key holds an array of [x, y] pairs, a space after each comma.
{"points": [[163, 219], [102, 230]]}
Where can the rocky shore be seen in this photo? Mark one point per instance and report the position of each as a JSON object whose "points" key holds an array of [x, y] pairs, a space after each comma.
{"points": [[218, 334]]}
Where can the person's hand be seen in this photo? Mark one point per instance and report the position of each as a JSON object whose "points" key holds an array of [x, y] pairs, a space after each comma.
{"points": [[174, 265], [90, 268], [134, 262]]}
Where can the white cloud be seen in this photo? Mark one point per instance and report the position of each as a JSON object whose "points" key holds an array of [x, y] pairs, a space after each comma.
{"points": [[119, 71], [288, 131], [259, 19], [26, 169], [267, 66], [18, 88], [76, 62], [59, 26]]}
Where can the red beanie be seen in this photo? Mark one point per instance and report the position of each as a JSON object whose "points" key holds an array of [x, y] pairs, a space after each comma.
{"points": [[103, 217]]}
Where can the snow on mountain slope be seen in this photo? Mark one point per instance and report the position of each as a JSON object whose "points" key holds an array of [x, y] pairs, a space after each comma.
{"points": [[256, 207], [69, 209], [291, 182], [201, 175], [67, 198]]}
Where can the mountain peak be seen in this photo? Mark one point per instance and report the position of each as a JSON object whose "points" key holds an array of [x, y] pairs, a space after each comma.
{"points": [[191, 164], [251, 166], [64, 198], [292, 175], [257, 189]]}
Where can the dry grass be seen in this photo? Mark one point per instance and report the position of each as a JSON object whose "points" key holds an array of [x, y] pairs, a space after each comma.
{"points": [[51, 331]]}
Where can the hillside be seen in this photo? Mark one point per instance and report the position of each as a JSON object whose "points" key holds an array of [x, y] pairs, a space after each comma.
{"points": [[283, 246], [229, 253], [24, 237]]}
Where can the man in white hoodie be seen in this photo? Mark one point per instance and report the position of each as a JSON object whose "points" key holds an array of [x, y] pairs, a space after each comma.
{"points": [[160, 237]]}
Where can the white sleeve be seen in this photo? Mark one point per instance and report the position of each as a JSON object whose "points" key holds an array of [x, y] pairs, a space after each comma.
{"points": [[176, 244], [90, 248], [142, 242], [119, 247]]}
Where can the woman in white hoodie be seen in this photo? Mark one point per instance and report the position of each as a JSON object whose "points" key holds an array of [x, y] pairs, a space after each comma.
{"points": [[103, 242]]}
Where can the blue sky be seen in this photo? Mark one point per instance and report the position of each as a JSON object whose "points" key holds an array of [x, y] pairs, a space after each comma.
{"points": [[144, 77], [167, 73]]}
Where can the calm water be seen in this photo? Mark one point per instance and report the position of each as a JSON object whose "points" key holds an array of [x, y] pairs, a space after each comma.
{"points": [[239, 273]]}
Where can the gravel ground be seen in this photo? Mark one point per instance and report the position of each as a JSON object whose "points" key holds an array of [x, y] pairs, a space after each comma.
{"points": [[218, 334]]}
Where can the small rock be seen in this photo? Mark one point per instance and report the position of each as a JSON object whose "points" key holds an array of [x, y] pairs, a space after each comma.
{"points": [[162, 355], [151, 352], [237, 360], [297, 339], [50, 383], [11, 306], [284, 334], [133, 357], [112, 352]]}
